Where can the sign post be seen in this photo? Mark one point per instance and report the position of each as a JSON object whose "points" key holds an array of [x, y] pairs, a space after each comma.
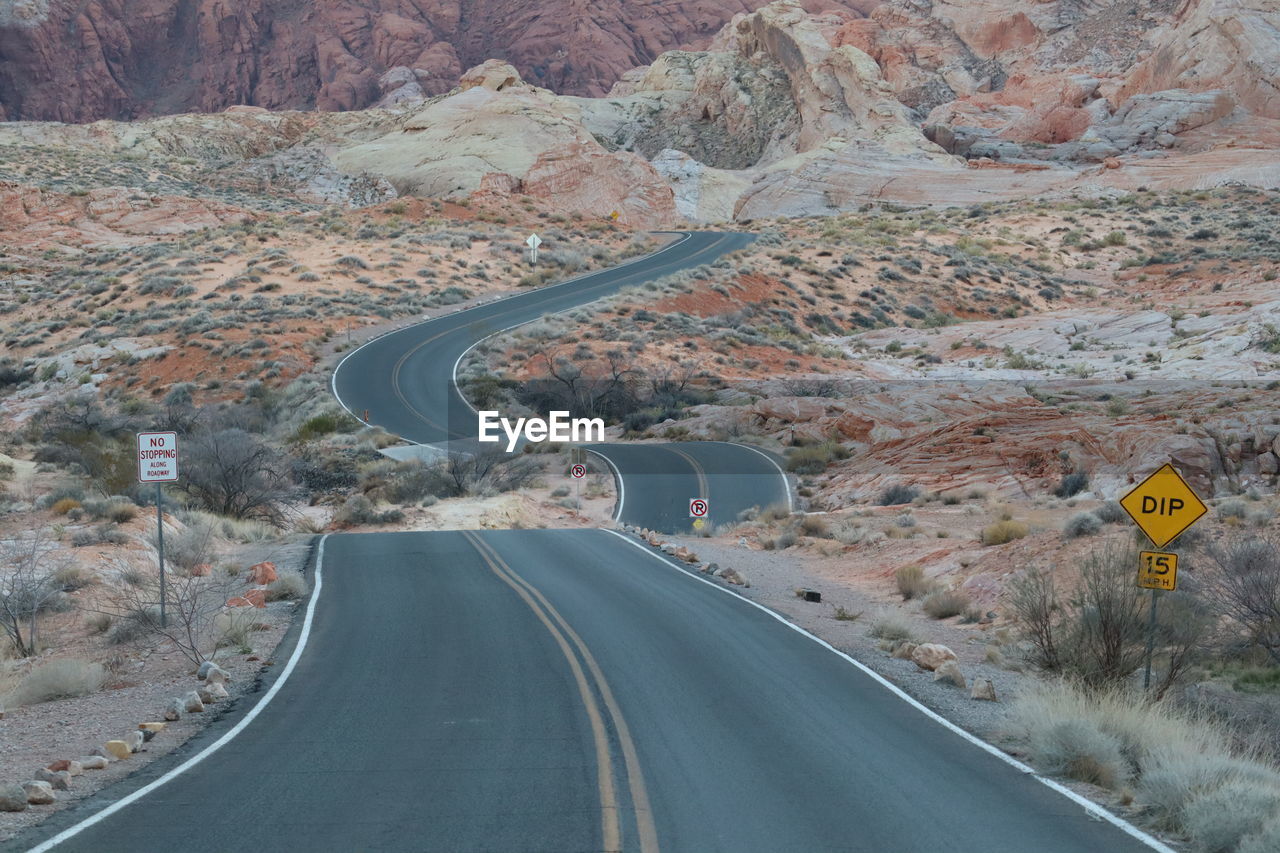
{"points": [[578, 471], [1163, 506], [158, 463], [533, 243]]}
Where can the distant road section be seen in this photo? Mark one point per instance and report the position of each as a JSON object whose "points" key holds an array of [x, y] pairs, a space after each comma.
{"points": [[404, 381]]}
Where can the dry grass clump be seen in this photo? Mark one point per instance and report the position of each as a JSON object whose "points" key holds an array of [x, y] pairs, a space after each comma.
{"points": [[1183, 767], [58, 679], [1002, 532], [945, 603], [891, 627], [289, 586], [911, 582]]}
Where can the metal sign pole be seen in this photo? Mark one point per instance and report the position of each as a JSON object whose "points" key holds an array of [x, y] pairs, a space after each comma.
{"points": [[1151, 641], [160, 540]]}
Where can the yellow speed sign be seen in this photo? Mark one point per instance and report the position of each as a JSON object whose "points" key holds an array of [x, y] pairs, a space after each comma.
{"points": [[1158, 570]]}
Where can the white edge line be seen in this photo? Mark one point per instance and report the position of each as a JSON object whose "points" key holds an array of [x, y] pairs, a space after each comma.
{"points": [[333, 379], [786, 484], [257, 709], [1091, 808], [617, 478]]}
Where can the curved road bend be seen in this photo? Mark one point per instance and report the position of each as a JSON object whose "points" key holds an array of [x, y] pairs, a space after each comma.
{"points": [[561, 691], [405, 382]]}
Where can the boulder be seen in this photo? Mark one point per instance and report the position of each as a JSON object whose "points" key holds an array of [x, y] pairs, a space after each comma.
{"points": [[191, 703], [59, 779], [949, 672], [210, 671], [983, 690], [212, 692], [92, 762], [154, 728], [38, 793], [13, 798], [930, 656], [72, 768], [904, 650], [119, 749], [252, 598], [263, 573], [135, 740], [173, 711], [1268, 464]]}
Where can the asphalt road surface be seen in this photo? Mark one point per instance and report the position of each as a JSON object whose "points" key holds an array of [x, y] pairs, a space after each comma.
{"points": [[564, 691], [404, 381]]}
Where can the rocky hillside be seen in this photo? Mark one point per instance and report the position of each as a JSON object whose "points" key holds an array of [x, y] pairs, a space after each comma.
{"points": [[146, 57], [784, 111]]}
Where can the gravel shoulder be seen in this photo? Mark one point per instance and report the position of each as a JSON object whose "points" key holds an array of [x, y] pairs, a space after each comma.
{"points": [[34, 736]]}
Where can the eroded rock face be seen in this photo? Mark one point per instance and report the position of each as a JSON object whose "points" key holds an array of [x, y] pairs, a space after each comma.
{"points": [[146, 57], [500, 136]]}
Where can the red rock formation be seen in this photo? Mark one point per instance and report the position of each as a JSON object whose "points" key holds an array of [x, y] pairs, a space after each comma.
{"points": [[147, 57]]}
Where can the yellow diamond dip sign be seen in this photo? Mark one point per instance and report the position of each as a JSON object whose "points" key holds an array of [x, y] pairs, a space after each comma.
{"points": [[1163, 505]]}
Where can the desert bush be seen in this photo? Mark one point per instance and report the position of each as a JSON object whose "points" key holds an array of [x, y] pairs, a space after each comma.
{"points": [[1072, 484], [236, 474], [1002, 532], [1245, 584], [289, 586], [1182, 765], [29, 569], [891, 627], [814, 458], [1081, 524], [781, 542], [234, 629], [1233, 509], [58, 679], [1111, 513], [1098, 634], [360, 510], [911, 582], [816, 526], [898, 493], [64, 506], [1265, 840], [944, 604], [1218, 820]]}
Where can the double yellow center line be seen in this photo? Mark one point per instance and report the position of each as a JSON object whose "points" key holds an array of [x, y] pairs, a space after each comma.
{"points": [[569, 642]]}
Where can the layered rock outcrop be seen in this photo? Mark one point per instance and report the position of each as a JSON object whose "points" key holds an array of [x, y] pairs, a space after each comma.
{"points": [[145, 57]]}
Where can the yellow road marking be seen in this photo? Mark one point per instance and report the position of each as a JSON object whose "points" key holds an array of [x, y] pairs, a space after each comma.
{"points": [[604, 762], [645, 828]]}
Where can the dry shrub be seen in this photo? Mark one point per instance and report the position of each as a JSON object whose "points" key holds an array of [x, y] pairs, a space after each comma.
{"points": [[1220, 819], [911, 582], [289, 586], [815, 525], [946, 603], [1005, 531], [1178, 760], [59, 679], [889, 626], [64, 506]]}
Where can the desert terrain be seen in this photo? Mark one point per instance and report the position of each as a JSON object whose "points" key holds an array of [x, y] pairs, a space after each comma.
{"points": [[1008, 260]]}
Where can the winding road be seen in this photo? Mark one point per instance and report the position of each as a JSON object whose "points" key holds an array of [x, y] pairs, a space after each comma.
{"points": [[568, 690], [405, 381]]}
